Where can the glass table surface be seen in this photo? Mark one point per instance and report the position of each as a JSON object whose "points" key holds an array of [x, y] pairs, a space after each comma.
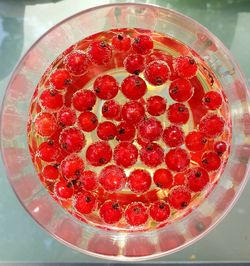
{"points": [[21, 23]]}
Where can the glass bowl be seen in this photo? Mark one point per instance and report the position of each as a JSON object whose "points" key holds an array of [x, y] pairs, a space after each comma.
{"points": [[124, 246]]}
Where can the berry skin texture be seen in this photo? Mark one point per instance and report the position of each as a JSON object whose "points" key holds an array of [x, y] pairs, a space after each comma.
{"points": [[87, 121], [125, 154], [163, 178], [150, 129], [50, 172], [100, 52], [156, 105], [152, 155], [88, 180], [180, 90], [186, 67], [72, 140], [111, 110], [106, 87], [157, 72], [112, 178], [212, 100], [159, 211], [66, 117], [179, 197], [99, 153], [177, 159], [212, 125], [142, 44], [60, 79], [72, 167], [85, 202], [133, 112], [45, 124], [111, 212], [134, 63], [83, 100], [210, 161], [76, 63], [220, 147], [197, 179], [136, 214], [106, 130], [195, 141], [125, 131], [121, 42], [133, 87], [51, 100], [173, 136], [47, 151], [178, 114], [63, 190], [139, 181]]}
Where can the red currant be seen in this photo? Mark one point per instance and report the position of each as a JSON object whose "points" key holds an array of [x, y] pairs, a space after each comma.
{"points": [[136, 214], [212, 100], [51, 100], [159, 211], [83, 100], [152, 155], [100, 52], [88, 180], [87, 121], [76, 62], [178, 113], [106, 87], [85, 202], [111, 110], [139, 181], [50, 172], [111, 212], [220, 147], [121, 42], [60, 79], [179, 198], [210, 161], [112, 178], [133, 87], [72, 167], [163, 178], [134, 63], [150, 129], [133, 112], [125, 154], [177, 159], [45, 124], [186, 66], [66, 117], [198, 178], [180, 90], [106, 130], [99, 153], [156, 105], [180, 179], [63, 190], [195, 141], [142, 44], [173, 136], [212, 125], [125, 131], [47, 151]]}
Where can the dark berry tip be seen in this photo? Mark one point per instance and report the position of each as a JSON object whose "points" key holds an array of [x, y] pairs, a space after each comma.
{"points": [[103, 44], [198, 174], [97, 90], [69, 185], [52, 92], [93, 120], [102, 160], [105, 109], [64, 145], [50, 141], [88, 199], [205, 161], [158, 80], [90, 109], [191, 61], [115, 206], [204, 141], [184, 204], [120, 37], [121, 131], [174, 90], [158, 185], [77, 172], [137, 210], [149, 147], [162, 206], [137, 72], [181, 109], [207, 100], [67, 81], [137, 40], [110, 137]]}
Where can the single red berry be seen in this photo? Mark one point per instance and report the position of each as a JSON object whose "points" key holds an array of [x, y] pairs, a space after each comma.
{"points": [[100, 52], [112, 178], [180, 90], [111, 212], [66, 117], [152, 155], [220, 147], [177, 159], [142, 142], [186, 66], [197, 179], [51, 100], [142, 44], [125, 154], [121, 42], [106, 87], [156, 105], [106, 130], [83, 100], [76, 62], [134, 63], [48, 151], [72, 167], [111, 110], [179, 197], [133, 87], [173, 136], [163, 178], [125, 131], [139, 181], [195, 141], [72, 140], [212, 100], [157, 72], [210, 161], [178, 113], [60, 79], [87, 121], [45, 124], [85, 202], [133, 112], [50, 172], [212, 125], [150, 129], [180, 179], [136, 214], [88, 180], [63, 190], [99, 153], [159, 211]]}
